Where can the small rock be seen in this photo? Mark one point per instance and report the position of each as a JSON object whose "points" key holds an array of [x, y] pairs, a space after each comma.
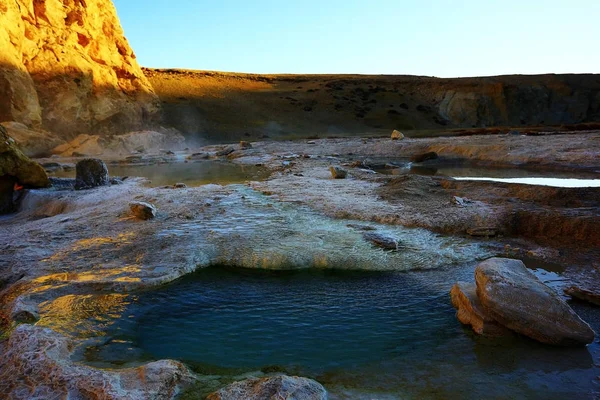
{"points": [[338, 172], [356, 164], [462, 201], [180, 185], [381, 240], [585, 294], [417, 158], [516, 298], [226, 151], [514, 133], [469, 311], [274, 387], [245, 145], [90, 173], [199, 156], [397, 135], [142, 210], [116, 181], [484, 231], [311, 142]]}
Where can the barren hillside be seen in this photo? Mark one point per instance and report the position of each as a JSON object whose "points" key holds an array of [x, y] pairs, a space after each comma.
{"points": [[230, 106]]}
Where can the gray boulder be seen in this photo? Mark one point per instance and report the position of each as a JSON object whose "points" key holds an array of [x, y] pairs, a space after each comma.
{"points": [[514, 297], [90, 173], [273, 388]]}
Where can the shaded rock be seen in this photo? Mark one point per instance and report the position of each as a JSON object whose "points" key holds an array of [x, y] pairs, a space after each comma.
{"points": [[16, 164], [482, 231], [338, 172], [33, 142], [381, 240], [180, 185], [591, 295], [226, 151], [245, 145], [469, 311], [142, 210], [276, 387], [431, 155], [199, 156], [16, 168], [116, 181], [397, 135], [90, 173], [515, 298]]}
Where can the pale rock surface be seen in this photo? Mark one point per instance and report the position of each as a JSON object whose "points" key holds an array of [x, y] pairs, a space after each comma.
{"points": [[67, 67], [516, 298], [36, 364], [276, 387]]}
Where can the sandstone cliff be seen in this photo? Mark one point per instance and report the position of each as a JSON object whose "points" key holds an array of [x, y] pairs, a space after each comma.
{"points": [[65, 66]]}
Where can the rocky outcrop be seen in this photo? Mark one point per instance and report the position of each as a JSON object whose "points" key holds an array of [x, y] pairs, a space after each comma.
{"points": [[67, 67], [36, 364], [16, 169], [514, 297], [276, 387], [33, 142], [15, 164]]}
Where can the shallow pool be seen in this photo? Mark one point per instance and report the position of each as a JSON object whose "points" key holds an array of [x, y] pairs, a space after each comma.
{"points": [[368, 335], [191, 173]]}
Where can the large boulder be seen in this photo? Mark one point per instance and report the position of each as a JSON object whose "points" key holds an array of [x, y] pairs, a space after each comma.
{"points": [[469, 311], [90, 173], [513, 296], [276, 387]]}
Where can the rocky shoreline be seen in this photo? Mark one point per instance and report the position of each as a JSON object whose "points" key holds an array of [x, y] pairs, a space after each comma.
{"points": [[66, 244]]}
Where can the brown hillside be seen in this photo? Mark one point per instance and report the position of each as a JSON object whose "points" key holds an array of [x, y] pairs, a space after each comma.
{"points": [[229, 106]]}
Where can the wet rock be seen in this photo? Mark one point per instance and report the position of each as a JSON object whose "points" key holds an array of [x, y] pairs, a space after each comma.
{"points": [[381, 240], [116, 181], [417, 158], [469, 311], [591, 295], [226, 151], [245, 145], [90, 173], [397, 135], [142, 210], [482, 231], [338, 172], [515, 298], [36, 364], [276, 387], [23, 312]]}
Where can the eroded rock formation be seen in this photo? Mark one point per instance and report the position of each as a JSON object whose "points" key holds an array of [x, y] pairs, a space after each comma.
{"points": [[66, 66]]}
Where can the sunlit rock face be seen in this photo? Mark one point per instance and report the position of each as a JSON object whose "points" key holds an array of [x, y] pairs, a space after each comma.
{"points": [[66, 66]]}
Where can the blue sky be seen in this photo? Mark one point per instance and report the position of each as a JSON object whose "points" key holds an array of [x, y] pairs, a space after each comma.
{"points": [[444, 38]]}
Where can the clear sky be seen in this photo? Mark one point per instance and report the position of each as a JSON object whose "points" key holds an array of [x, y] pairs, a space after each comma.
{"points": [[444, 38]]}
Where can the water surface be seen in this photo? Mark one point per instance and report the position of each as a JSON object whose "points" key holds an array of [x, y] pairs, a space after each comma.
{"points": [[362, 334], [191, 173]]}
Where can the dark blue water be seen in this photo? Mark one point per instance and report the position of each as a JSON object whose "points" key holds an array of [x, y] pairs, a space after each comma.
{"points": [[363, 335]]}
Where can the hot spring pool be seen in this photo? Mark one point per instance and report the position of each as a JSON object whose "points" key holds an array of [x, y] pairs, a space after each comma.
{"points": [[361, 334]]}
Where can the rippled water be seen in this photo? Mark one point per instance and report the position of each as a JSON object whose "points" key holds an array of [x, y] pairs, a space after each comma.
{"points": [[362, 334], [192, 173]]}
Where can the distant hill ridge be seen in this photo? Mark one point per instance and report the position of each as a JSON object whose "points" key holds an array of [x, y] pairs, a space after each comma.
{"points": [[228, 105]]}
